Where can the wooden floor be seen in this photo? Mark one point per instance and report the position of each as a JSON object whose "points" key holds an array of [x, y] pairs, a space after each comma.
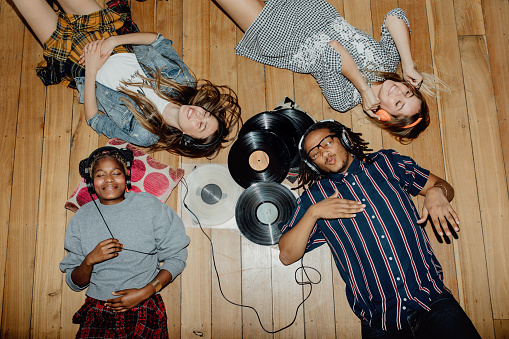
{"points": [[464, 42]]}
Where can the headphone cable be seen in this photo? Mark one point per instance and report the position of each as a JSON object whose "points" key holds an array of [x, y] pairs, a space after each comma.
{"points": [[300, 283]]}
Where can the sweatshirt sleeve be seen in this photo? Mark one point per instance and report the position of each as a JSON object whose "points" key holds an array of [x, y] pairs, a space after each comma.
{"points": [[75, 255], [171, 241]]}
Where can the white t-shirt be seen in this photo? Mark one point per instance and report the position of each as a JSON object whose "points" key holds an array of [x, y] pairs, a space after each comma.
{"points": [[125, 67]]}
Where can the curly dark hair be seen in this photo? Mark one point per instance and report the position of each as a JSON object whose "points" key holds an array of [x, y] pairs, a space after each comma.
{"points": [[359, 148]]}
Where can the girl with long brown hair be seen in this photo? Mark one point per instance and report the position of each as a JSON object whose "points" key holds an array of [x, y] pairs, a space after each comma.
{"points": [[350, 67], [146, 94]]}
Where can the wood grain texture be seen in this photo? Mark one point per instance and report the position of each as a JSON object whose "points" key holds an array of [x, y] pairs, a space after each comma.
{"points": [[10, 68], [485, 137], [18, 287], [469, 18], [52, 221], [459, 167]]}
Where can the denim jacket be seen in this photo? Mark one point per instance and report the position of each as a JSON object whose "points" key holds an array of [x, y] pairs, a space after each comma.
{"points": [[117, 121]]}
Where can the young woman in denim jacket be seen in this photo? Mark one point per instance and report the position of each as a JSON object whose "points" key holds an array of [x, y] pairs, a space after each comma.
{"points": [[146, 93]]}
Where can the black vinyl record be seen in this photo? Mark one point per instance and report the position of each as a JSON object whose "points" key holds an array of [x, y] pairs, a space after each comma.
{"points": [[301, 120], [240, 158], [279, 124], [261, 208]]}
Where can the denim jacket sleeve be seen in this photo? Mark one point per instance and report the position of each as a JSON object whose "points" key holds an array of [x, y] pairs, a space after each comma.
{"points": [[117, 121], [160, 55]]}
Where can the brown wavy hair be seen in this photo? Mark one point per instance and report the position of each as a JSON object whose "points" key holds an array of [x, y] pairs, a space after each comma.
{"points": [[219, 101], [396, 125]]}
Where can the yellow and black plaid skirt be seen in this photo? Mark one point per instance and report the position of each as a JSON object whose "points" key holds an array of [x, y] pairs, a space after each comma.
{"points": [[63, 49]]}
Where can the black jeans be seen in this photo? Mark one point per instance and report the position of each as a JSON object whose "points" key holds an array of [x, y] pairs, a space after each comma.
{"points": [[446, 319]]}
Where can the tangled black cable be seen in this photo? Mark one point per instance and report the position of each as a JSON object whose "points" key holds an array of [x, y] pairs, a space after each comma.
{"points": [[300, 283]]}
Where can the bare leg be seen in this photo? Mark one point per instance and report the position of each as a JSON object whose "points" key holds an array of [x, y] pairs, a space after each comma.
{"points": [[243, 12], [40, 17], [80, 7]]}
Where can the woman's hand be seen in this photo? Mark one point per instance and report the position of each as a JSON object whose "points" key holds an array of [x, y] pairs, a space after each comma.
{"points": [[370, 102], [96, 53], [105, 250], [439, 210], [411, 76], [129, 299]]}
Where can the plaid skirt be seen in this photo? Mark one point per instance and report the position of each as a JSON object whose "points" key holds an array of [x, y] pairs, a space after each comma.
{"points": [[147, 320], [63, 49]]}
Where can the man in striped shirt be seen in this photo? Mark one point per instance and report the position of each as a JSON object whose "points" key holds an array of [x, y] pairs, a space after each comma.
{"points": [[360, 205]]}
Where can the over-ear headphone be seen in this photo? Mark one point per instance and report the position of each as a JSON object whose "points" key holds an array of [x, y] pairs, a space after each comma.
{"points": [[124, 153], [343, 136], [190, 142], [383, 115]]}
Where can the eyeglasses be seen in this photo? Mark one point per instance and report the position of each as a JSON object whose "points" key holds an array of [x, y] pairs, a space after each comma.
{"points": [[326, 142]]}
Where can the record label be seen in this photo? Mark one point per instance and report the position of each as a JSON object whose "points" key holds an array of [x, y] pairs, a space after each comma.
{"points": [[247, 147], [261, 208]]}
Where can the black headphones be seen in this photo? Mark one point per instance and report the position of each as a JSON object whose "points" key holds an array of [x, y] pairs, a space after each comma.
{"points": [[344, 138], [124, 153], [190, 142]]}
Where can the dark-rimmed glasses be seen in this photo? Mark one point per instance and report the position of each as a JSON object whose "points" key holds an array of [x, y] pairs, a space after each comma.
{"points": [[325, 143]]}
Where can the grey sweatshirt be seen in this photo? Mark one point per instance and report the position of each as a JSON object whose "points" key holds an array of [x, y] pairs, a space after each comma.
{"points": [[142, 223]]}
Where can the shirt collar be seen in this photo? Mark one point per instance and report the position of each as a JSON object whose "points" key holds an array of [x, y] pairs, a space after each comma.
{"points": [[354, 168]]}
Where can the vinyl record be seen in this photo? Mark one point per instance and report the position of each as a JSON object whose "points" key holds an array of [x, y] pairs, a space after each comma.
{"points": [[212, 194], [301, 120], [261, 208], [279, 124], [258, 156]]}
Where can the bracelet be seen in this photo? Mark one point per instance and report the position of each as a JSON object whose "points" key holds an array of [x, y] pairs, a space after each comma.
{"points": [[442, 186], [157, 284]]}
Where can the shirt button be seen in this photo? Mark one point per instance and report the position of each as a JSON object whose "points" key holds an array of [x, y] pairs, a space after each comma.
{"points": [[404, 299], [404, 307], [107, 92], [383, 237], [363, 199], [390, 258], [398, 279], [372, 217], [353, 184], [136, 135]]}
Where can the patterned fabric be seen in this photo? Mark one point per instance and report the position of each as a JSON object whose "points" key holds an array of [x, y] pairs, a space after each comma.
{"points": [[147, 320], [63, 49], [295, 34], [382, 254]]}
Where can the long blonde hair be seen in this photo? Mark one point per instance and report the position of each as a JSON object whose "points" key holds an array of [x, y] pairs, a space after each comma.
{"points": [[219, 101]]}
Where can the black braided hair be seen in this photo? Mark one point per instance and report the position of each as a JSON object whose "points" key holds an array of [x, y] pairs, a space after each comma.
{"points": [[359, 148]]}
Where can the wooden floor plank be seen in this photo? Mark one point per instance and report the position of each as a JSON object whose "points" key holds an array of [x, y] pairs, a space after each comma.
{"points": [[469, 18], [493, 193], [471, 258], [25, 185], [51, 226], [501, 329], [10, 68], [496, 15]]}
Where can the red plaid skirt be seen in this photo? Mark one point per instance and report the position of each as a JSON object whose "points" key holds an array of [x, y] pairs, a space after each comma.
{"points": [[147, 320], [63, 49]]}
